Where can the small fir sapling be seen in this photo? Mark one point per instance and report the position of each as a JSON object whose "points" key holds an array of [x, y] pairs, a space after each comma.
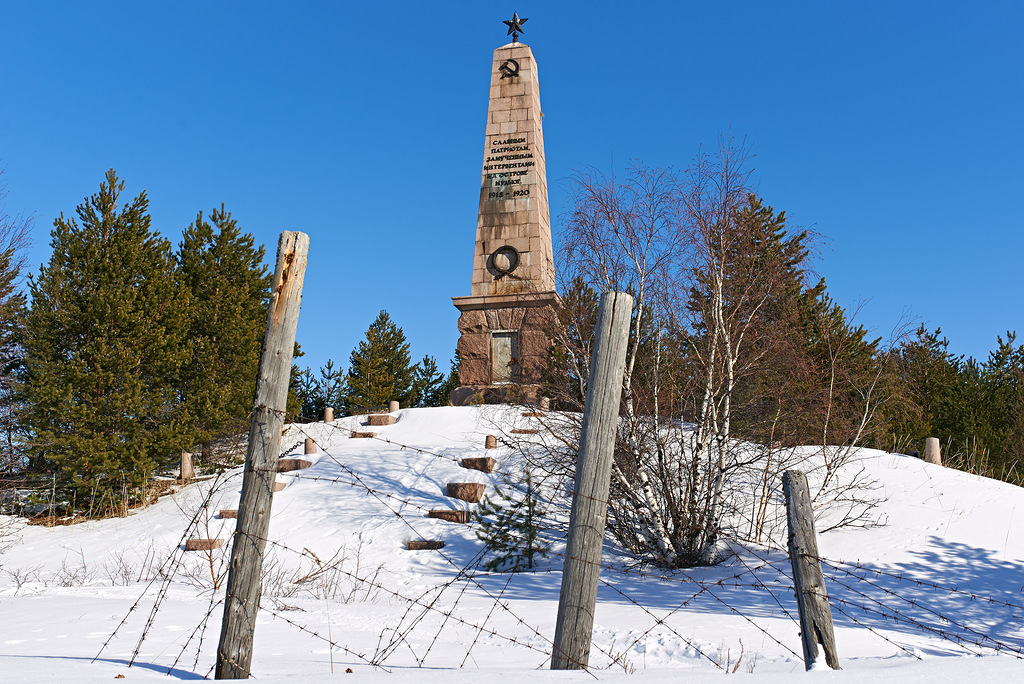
{"points": [[510, 527]]}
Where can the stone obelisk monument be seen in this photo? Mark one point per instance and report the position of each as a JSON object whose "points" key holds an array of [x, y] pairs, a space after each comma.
{"points": [[503, 345]]}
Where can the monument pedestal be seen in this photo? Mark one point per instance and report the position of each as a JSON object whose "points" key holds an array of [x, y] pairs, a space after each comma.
{"points": [[504, 346]]}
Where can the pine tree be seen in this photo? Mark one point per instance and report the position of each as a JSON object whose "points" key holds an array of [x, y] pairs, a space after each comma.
{"points": [[379, 368], [104, 346], [14, 239], [510, 528], [316, 394], [229, 285], [428, 385], [451, 381]]}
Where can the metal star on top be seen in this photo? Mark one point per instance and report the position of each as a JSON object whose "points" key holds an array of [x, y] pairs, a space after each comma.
{"points": [[515, 26]]}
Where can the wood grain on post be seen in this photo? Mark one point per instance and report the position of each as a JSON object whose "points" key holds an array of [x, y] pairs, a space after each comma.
{"points": [[241, 603], [574, 625], [811, 595]]}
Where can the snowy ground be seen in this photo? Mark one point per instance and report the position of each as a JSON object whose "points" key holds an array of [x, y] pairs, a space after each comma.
{"points": [[67, 591]]}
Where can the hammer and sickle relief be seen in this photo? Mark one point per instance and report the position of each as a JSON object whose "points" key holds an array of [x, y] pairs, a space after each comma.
{"points": [[509, 68]]}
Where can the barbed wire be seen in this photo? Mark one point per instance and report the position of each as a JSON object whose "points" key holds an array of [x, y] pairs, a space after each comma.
{"points": [[467, 575], [888, 612]]}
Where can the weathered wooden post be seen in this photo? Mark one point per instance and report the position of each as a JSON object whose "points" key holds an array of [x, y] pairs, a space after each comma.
{"points": [[574, 626], [241, 603], [811, 596], [932, 450]]}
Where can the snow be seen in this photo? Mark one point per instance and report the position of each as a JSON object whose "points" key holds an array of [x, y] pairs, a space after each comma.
{"points": [[65, 591]]}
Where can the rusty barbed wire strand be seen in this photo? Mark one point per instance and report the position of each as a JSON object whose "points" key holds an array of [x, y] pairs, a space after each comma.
{"points": [[657, 621], [898, 616]]}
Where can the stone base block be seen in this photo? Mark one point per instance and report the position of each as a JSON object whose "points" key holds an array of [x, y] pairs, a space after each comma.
{"points": [[380, 419], [524, 432], [466, 491], [363, 435], [278, 486], [228, 513], [451, 516], [286, 465], [485, 464], [203, 544], [493, 394], [423, 545]]}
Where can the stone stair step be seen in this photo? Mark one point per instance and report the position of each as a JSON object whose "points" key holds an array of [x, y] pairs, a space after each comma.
{"points": [[203, 544], [286, 465], [228, 513], [380, 419], [525, 432], [363, 435], [423, 545], [485, 464], [466, 491], [451, 516]]}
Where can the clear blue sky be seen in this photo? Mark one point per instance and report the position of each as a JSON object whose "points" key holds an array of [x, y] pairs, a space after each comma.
{"points": [[895, 129]]}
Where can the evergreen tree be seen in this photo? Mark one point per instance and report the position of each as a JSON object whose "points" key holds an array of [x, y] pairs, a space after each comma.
{"points": [[223, 271], [1004, 403], [451, 381], [510, 528], [104, 346], [428, 384], [316, 394], [14, 239], [379, 368]]}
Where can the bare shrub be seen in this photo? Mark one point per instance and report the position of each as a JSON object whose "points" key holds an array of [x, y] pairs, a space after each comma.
{"points": [[73, 573], [736, 361], [342, 577]]}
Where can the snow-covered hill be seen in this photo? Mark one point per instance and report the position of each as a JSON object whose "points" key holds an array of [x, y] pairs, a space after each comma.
{"points": [[941, 581]]}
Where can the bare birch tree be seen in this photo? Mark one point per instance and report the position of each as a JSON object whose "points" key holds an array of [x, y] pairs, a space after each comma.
{"points": [[721, 379]]}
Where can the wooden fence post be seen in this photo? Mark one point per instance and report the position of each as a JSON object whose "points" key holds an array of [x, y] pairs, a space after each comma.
{"points": [[241, 603], [574, 626], [811, 596]]}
